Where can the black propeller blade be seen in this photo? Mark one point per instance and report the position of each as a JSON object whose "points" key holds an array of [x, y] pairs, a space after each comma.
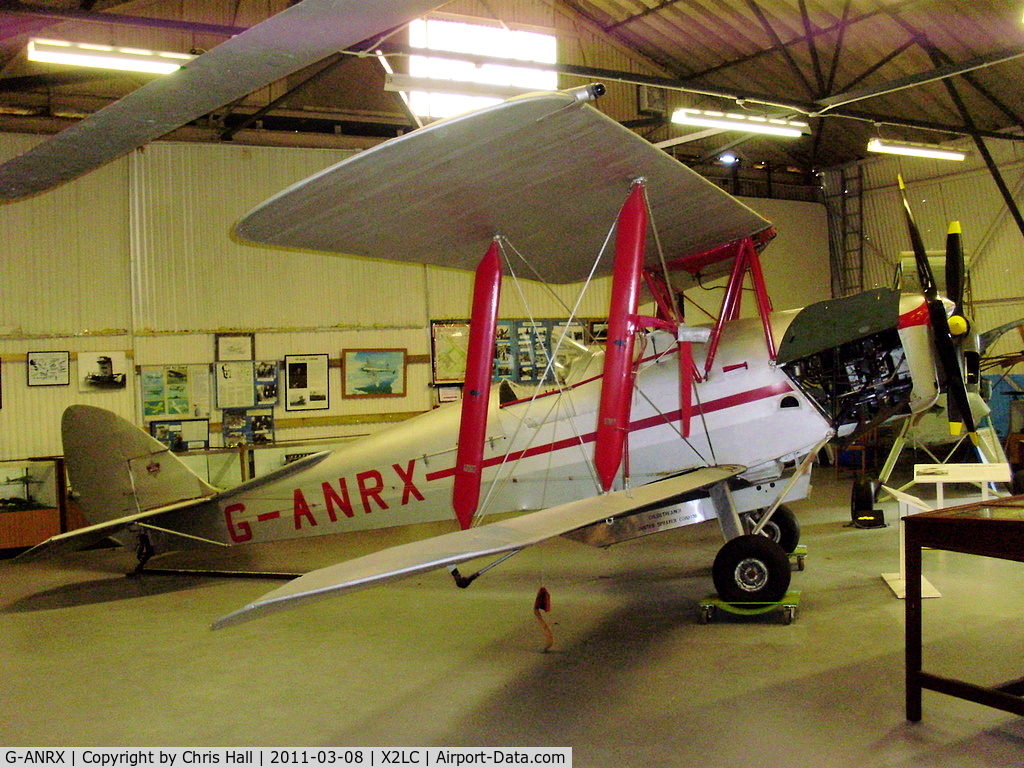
{"points": [[958, 404], [955, 267]]}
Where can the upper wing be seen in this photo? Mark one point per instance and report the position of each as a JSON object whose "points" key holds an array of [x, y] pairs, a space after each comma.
{"points": [[301, 35], [544, 170], [453, 548]]}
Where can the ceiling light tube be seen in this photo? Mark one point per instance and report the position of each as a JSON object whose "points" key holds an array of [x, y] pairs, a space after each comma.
{"points": [[397, 82], [914, 150], [738, 122], [105, 56]]}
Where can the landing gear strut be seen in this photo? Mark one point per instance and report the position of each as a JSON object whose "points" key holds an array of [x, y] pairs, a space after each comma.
{"points": [[783, 527]]}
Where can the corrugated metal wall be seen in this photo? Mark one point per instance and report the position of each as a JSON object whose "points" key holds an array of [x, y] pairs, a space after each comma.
{"points": [[939, 192], [138, 258]]}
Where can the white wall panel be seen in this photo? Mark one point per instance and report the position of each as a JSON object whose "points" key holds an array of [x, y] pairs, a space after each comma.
{"points": [[941, 191], [191, 275], [65, 254]]}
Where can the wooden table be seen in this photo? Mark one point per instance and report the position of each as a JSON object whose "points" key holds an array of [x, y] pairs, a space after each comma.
{"points": [[993, 528]]}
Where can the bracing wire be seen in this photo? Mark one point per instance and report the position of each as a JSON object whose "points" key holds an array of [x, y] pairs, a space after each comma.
{"points": [[502, 475]]}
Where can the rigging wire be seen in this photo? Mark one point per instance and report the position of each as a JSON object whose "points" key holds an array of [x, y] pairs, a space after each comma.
{"points": [[500, 480]]}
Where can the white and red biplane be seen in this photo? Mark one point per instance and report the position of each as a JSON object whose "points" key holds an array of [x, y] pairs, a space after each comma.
{"points": [[669, 424]]}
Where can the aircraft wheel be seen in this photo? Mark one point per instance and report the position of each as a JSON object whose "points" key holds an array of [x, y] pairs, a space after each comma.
{"points": [[751, 569], [1018, 482], [862, 496], [783, 528]]}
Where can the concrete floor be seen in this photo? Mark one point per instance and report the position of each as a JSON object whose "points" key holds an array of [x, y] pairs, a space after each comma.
{"points": [[91, 658]]}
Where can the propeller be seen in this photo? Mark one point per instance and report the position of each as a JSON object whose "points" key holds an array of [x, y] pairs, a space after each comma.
{"points": [[958, 405]]}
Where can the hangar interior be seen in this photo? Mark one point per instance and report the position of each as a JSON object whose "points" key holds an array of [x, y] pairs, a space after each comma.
{"points": [[133, 266]]}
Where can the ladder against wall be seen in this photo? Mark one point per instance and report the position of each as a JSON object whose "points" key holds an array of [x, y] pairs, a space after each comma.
{"points": [[843, 199]]}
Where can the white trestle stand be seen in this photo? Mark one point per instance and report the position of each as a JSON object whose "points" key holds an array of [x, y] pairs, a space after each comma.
{"points": [[908, 505], [940, 474]]}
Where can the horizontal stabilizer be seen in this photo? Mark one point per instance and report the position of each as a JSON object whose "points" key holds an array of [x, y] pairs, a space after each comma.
{"points": [[82, 538], [487, 540]]}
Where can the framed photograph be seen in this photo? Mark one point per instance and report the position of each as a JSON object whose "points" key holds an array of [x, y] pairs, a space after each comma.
{"points": [[373, 373], [266, 382], [102, 371], [306, 383], [235, 346], [49, 369], [248, 426]]}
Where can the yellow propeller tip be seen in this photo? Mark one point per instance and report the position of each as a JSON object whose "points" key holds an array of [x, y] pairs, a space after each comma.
{"points": [[899, 178], [955, 428], [954, 228]]}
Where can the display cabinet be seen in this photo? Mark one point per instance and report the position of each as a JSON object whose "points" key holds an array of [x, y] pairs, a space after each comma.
{"points": [[33, 501]]}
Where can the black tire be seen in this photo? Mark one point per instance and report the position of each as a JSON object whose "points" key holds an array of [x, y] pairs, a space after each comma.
{"points": [[751, 569], [862, 496], [1017, 483], [783, 528]]}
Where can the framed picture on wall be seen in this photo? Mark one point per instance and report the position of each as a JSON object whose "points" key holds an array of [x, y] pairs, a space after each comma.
{"points": [[99, 371], [49, 369], [235, 346], [373, 373], [306, 385], [449, 344]]}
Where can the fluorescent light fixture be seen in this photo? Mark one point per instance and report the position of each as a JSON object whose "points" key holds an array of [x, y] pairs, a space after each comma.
{"points": [[915, 150], [493, 81], [729, 121], [105, 56], [399, 83]]}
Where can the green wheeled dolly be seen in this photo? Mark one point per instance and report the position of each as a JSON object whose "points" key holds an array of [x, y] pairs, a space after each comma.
{"points": [[788, 605]]}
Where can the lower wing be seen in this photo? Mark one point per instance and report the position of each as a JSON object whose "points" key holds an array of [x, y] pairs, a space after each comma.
{"points": [[453, 548]]}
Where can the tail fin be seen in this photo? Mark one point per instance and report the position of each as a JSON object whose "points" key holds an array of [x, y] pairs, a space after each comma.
{"points": [[118, 470]]}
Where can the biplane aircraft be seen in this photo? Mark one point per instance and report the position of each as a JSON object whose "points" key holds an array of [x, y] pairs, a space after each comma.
{"points": [[669, 423]]}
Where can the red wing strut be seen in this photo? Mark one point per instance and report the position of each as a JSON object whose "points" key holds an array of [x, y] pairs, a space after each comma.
{"points": [[617, 384], [476, 392]]}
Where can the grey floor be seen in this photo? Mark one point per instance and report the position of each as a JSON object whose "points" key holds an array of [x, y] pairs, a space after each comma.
{"points": [[89, 657]]}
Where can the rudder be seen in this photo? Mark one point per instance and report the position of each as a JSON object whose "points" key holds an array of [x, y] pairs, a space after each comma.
{"points": [[117, 470]]}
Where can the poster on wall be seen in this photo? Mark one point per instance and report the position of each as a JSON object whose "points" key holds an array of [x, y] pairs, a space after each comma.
{"points": [[266, 382], [235, 384], [306, 383], [182, 434], [449, 340], [100, 371], [247, 426], [48, 369], [522, 348], [175, 390], [373, 373], [533, 346]]}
